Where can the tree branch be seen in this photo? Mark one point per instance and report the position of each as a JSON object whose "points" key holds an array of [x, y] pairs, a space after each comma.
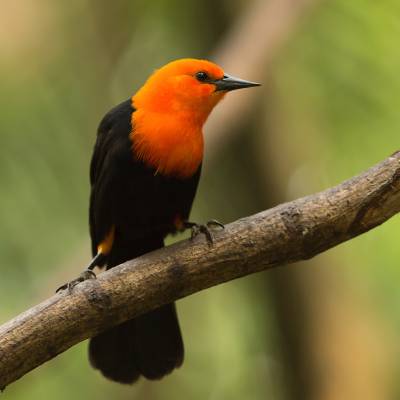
{"points": [[284, 234]]}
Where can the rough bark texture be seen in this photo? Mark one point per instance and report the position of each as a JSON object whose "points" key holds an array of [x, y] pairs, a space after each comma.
{"points": [[289, 232]]}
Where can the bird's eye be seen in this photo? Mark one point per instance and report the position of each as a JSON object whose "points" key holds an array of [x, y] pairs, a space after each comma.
{"points": [[202, 76]]}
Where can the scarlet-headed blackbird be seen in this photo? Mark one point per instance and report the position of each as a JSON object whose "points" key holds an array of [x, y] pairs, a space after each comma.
{"points": [[144, 174]]}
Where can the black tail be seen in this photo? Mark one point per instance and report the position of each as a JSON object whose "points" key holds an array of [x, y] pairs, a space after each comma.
{"points": [[150, 345]]}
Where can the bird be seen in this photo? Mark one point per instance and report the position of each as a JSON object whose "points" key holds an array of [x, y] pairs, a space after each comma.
{"points": [[144, 173]]}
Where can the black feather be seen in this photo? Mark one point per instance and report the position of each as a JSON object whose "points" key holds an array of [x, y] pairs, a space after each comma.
{"points": [[142, 206]]}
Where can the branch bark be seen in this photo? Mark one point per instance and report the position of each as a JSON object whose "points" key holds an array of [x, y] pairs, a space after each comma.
{"points": [[287, 233]]}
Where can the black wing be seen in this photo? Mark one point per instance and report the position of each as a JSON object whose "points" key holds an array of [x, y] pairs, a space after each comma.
{"points": [[111, 151]]}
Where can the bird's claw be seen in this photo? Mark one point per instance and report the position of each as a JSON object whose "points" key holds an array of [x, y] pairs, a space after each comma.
{"points": [[204, 228], [84, 276], [214, 222]]}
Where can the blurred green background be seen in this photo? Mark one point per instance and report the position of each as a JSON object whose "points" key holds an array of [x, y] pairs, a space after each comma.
{"points": [[328, 109]]}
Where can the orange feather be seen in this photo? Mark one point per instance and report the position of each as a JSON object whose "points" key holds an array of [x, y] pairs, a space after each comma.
{"points": [[171, 109]]}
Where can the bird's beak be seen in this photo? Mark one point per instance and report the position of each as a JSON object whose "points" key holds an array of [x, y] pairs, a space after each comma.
{"points": [[231, 83]]}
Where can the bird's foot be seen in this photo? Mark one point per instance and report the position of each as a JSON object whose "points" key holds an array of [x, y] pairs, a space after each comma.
{"points": [[84, 276], [203, 228]]}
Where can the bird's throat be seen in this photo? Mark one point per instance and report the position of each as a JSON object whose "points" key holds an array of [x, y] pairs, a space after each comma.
{"points": [[172, 144]]}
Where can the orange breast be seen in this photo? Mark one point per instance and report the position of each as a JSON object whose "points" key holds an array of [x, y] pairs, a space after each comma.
{"points": [[171, 144]]}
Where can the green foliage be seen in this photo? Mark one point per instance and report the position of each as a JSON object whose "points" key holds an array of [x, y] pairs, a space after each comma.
{"points": [[338, 76]]}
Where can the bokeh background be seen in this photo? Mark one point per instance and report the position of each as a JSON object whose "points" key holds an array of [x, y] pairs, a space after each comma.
{"points": [[328, 109]]}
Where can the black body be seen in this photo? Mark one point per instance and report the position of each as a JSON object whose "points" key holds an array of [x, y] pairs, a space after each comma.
{"points": [[142, 205]]}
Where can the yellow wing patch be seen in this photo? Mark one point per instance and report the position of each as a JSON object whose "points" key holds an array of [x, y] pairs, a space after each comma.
{"points": [[106, 245]]}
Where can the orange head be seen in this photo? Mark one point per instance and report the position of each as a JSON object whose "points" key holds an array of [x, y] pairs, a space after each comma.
{"points": [[171, 108]]}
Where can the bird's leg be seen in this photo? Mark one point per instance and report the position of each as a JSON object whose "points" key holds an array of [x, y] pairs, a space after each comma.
{"points": [[203, 228], [84, 275]]}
